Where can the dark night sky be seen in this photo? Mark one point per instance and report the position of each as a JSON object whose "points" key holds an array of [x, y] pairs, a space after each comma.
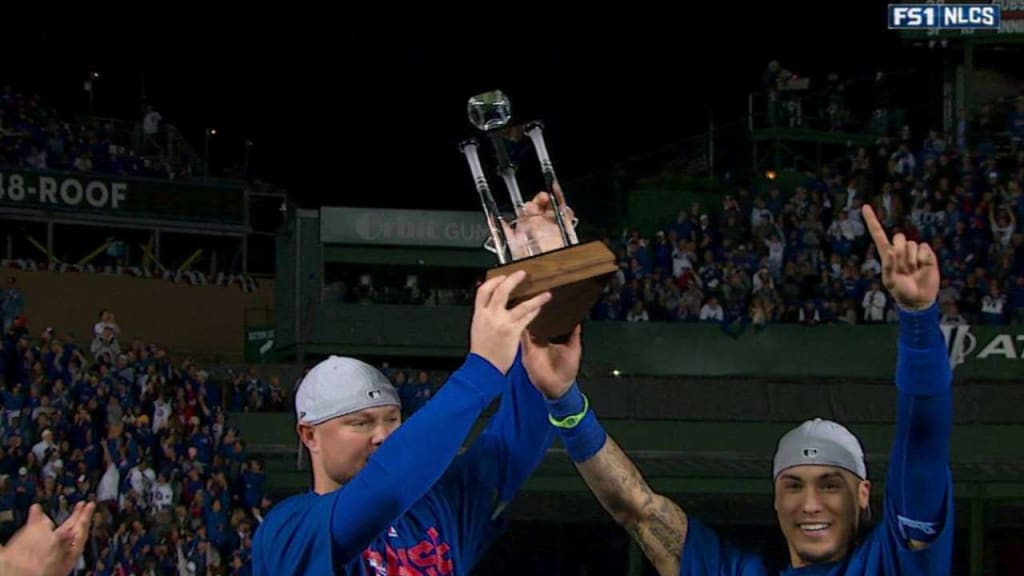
{"points": [[367, 113]]}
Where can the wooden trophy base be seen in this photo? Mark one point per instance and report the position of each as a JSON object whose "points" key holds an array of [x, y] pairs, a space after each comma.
{"points": [[575, 276]]}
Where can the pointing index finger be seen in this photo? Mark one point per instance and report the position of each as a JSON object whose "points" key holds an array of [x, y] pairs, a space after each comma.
{"points": [[875, 229]]}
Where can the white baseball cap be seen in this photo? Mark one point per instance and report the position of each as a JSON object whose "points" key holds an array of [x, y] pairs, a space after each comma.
{"points": [[820, 443], [339, 386]]}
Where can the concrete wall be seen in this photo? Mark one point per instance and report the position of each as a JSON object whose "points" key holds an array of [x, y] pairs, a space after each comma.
{"points": [[205, 320]]}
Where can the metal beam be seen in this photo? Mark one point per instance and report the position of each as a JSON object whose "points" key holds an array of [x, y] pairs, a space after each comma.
{"points": [[129, 222], [91, 255], [383, 351], [49, 240], [808, 135], [407, 256]]}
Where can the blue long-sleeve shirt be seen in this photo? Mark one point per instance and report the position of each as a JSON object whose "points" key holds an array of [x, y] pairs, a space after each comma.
{"points": [[918, 501], [417, 504]]}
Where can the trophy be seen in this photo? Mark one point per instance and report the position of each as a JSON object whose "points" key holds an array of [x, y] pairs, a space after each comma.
{"points": [[544, 245]]}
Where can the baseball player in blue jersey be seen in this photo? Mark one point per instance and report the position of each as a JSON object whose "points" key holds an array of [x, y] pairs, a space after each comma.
{"points": [[821, 483], [401, 500]]}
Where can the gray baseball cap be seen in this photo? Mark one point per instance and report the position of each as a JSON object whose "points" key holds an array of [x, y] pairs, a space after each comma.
{"points": [[820, 443], [339, 386]]}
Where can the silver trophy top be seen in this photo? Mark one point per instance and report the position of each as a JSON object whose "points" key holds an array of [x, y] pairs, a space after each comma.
{"points": [[489, 111]]}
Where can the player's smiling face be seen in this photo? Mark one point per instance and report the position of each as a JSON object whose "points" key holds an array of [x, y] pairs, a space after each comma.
{"points": [[818, 508]]}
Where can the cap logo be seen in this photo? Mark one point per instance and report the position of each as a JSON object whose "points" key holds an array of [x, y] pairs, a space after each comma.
{"points": [[374, 394], [810, 452]]}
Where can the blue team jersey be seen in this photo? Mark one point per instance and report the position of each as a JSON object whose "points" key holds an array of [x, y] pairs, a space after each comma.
{"points": [[883, 552], [441, 524], [919, 466], [443, 534]]}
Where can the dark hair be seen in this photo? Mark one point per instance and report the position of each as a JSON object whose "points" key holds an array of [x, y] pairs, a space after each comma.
{"points": [[864, 526]]}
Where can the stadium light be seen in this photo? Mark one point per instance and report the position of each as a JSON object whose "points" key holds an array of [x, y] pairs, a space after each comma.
{"points": [[206, 151]]}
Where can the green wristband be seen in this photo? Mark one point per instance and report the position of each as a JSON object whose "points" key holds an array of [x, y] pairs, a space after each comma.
{"points": [[571, 421]]}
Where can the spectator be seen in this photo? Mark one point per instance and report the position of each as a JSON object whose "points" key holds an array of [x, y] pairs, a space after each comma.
{"points": [[1015, 124], [37, 159], [13, 303], [151, 122], [712, 311], [45, 446], [106, 320], [1003, 222], [84, 163], [1016, 300], [993, 307], [638, 313], [810, 250], [136, 469], [874, 304], [809, 315], [890, 203], [105, 347]]}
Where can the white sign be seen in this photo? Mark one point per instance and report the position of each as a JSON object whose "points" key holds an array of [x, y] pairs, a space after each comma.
{"points": [[62, 191], [963, 345], [402, 227]]}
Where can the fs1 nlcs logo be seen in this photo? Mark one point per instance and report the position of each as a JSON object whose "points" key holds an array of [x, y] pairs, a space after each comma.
{"points": [[945, 16]]}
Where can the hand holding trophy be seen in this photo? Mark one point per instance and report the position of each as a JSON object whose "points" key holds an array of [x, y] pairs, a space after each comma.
{"points": [[540, 238]]}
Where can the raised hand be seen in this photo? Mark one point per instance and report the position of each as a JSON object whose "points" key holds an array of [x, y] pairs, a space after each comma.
{"points": [[37, 549], [536, 230], [496, 330], [552, 367], [910, 271]]}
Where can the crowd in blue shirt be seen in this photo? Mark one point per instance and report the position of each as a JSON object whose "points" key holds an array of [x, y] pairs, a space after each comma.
{"points": [[148, 439], [801, 254]]}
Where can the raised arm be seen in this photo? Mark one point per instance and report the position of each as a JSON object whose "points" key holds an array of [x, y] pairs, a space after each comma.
{"points": [[919, 487], [409, 463], [656, 523], [515, 440], [517, 436]]}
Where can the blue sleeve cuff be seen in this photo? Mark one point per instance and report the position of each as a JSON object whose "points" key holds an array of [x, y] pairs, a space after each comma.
{"points": [[921, 531], [484, 376], [569, 404], [922, 364], [585, 440], [920, 328]]}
